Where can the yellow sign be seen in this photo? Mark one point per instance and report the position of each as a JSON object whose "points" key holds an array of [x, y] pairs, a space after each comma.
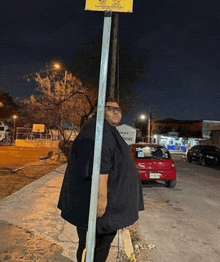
{"points": [[38, 128], [110, 5]]}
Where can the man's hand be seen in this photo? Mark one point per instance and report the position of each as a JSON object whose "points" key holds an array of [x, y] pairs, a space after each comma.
{"points": [[103, 195], [102, 205]]}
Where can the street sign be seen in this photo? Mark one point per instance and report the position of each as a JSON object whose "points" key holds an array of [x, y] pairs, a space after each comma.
{"points": [[125, 6], [128, 133]]}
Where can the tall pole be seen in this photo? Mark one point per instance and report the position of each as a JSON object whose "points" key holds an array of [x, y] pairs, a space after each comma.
{"points": [[149, 129], [14, 117], [114, 58], [61, 120], [98, 136], [14, 130]]}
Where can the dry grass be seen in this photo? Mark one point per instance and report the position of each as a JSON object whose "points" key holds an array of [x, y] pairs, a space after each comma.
{"points": [[18, 244], [30, 170], [11, 182], [140, 247], [13, 157]]}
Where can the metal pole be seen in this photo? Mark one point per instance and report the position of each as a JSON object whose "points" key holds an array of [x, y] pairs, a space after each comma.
{"points": [[98, 137], [61, 120], [14, 131], [149, 131]]}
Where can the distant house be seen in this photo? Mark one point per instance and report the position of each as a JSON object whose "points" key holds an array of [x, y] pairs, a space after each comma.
{"points": [[215, 137], [209, 127], [184, 128], [179, 135]]}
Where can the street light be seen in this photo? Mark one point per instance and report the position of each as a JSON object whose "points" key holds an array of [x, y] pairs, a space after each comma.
{"points": [[14, 117], [1, 106], [61, 116], [55, 67], [143, 117], [30, 76]]}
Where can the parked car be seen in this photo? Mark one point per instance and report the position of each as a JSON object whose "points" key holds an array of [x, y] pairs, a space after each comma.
{"points": [[154, 162], [204, 155]]}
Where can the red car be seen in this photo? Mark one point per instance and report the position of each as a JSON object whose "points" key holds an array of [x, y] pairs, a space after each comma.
{"points": [[154, 162]]}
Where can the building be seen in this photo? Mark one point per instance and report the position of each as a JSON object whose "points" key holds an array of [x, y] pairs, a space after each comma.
{"points": [[209, 127], [174, 143], [178, 135], [215, 137], [189, 128], [3, 131]]}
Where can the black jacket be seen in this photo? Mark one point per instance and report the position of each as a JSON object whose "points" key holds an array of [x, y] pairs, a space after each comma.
{"points": [[125, 198]]}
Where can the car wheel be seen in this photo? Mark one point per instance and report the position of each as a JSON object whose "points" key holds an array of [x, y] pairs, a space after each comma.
{"points": [[203, 163], [171, 184], [189, 159]]}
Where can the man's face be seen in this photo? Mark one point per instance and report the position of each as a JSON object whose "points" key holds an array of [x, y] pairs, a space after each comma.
{"points": [[113, 113]]}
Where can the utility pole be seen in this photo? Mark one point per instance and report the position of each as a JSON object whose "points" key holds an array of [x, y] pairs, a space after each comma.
{"points": [[61, 116], [149, 128], [98, 136], [114, 56], [94, 6]]}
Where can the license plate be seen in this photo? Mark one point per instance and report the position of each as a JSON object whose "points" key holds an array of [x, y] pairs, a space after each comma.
{"points": [[155, 175]]}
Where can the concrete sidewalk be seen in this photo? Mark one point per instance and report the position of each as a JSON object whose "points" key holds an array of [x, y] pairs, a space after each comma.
{"points": [[33, 209]]}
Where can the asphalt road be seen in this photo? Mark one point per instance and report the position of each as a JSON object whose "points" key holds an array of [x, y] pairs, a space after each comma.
{"points": [[183, 223]]}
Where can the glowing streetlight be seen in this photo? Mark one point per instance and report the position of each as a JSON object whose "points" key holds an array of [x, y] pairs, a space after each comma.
{"points": [[143, 117], [57, 66], [14, 117]]}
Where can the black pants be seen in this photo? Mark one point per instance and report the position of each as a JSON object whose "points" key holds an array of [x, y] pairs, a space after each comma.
{"points": [[102, 247]]}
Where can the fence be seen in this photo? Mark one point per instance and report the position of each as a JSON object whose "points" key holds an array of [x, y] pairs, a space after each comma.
{"points": [[25, 137]]}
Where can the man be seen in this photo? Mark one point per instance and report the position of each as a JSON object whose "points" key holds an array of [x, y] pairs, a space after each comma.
{"points": [[120, 192]]}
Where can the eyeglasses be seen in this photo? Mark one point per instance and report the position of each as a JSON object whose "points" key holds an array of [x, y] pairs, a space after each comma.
{"points": [[114, 109]]}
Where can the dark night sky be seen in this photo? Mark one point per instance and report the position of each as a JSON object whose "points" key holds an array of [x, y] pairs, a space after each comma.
{"points": [[180, 38]]}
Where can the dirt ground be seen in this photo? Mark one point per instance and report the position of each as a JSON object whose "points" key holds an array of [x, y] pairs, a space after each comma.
{"points": [[12, 157], [27, 159], [21, 245], [11, 182], [18, 244]]}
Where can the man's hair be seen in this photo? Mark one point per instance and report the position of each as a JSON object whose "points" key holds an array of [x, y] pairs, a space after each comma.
{"points": [[111, 99], [93, 110]]}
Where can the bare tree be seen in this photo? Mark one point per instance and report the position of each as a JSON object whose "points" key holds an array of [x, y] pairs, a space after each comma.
{"points": [[62, 100], [7, 108]]}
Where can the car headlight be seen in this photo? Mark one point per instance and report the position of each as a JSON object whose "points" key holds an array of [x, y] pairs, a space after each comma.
{"points": [[211, 157]]}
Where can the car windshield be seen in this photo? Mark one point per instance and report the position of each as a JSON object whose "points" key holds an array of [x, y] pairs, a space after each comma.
{"points": [[150, 152], [211, 149]]}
